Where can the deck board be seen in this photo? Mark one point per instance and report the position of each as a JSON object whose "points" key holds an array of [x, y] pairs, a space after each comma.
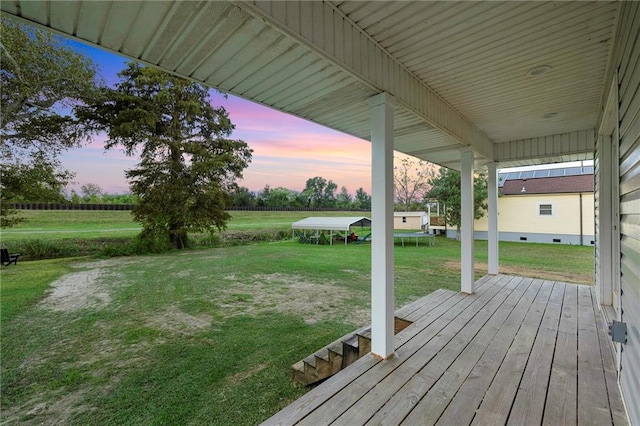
{"points": [[518, 351], [591, 382], [528, 407], [435, 401], [563, 382], [400, 401], [498, 399], [437, 333], [464, 404]]}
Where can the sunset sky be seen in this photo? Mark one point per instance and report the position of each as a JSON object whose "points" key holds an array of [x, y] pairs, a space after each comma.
{"points": [[287, 150]]}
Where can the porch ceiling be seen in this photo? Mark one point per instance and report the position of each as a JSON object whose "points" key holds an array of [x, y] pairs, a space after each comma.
{"points": [[458, 69]]}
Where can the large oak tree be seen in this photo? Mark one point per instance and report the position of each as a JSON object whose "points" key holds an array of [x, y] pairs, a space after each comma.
{"points": [[43, 78], [188, 163]]}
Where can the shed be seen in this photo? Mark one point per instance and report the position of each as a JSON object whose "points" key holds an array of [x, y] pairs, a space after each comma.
{"points": [[410, 220], [330, 224]]}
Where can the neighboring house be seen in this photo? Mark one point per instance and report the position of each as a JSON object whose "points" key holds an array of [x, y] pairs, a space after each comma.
{"points": [[410, 220], [544, 206]]}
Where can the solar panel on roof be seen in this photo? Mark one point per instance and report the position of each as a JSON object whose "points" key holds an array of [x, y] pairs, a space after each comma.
{"points": [[531, 174]]}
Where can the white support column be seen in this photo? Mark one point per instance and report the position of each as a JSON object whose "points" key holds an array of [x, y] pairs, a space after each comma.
{"points": [[493, 236], [466, 226], [382, 296]]}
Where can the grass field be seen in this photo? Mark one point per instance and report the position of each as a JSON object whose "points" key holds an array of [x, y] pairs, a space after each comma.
{"points": [[205, 336], [64, 224]]}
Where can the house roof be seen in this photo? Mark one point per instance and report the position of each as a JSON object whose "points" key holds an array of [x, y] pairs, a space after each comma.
{"points": [[331, 223], [550, 185], [544, 173]]}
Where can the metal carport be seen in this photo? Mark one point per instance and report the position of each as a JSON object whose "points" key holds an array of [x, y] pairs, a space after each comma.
{"points": [[329, 224]]}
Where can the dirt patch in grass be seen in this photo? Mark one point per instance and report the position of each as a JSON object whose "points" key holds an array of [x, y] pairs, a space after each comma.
{"points": [[175, 321], [105, 263], [88, 288], [45, 409], [76, 291], [292, 294], [482, 267]]}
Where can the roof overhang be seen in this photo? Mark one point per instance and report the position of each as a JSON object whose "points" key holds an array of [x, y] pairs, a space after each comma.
{"points": [[520, 82]]}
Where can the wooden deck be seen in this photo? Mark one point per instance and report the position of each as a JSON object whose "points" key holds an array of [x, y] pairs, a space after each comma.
{"points": [[520, 351]]}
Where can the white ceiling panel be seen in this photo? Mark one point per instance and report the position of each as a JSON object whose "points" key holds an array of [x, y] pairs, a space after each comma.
{"points": [[291, 56]]}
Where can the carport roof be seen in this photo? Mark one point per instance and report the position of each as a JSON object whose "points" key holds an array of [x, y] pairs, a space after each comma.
{"points": [[331, 223]]}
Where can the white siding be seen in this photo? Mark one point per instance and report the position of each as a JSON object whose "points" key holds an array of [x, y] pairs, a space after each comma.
{"points": [[628, 67], [520, 213]]}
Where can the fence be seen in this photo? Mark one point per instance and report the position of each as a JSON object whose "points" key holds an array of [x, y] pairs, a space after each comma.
{"points": [[65, 206]]}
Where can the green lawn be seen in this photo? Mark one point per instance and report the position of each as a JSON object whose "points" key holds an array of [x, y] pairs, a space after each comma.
{"points": [[59, 224], [206, 336], [93, 224]]}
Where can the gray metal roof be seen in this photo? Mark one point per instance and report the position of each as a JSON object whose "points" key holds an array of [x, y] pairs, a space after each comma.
{"points": [[533, 174], [331, 223]]}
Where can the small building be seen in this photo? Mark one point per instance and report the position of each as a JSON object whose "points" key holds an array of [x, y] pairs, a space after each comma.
{"points": [[410, 220], [545, 206]]}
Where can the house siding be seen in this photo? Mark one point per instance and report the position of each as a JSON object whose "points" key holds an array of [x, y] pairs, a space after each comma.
{"points": [[628, 67], [531, 237], [518, 216], [413, 221]]}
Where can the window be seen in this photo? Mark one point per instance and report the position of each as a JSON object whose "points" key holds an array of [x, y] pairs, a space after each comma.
{"points": [[545, 210], [404, 219]]}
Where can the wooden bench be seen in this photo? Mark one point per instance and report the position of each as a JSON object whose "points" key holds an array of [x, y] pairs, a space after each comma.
{"points": [[8, 259]]}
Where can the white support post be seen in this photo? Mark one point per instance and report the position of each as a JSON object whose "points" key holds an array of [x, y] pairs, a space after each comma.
{"points": [[493, 236], [382, 291], [466, 226]]}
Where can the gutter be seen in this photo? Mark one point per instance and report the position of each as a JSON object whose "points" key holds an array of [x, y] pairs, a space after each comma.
{"points": [[581, 225]]}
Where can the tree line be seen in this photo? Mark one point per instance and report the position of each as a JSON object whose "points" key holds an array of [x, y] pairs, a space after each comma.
{"points": [[317, 193]]}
